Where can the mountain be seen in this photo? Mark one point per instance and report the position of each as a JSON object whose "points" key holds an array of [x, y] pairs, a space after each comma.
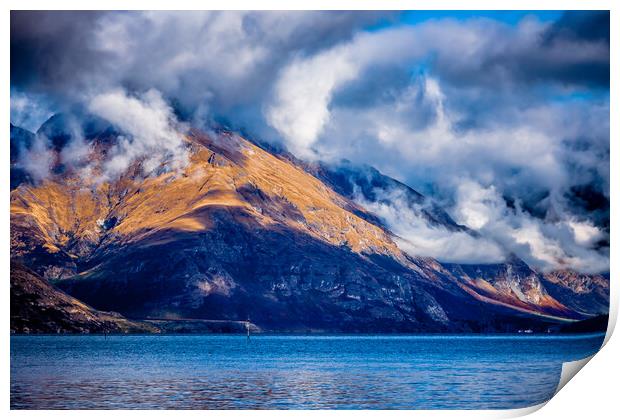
{"points": [[39, 307], [243, 232], [363, 181], [587, 294], [21, 141]]}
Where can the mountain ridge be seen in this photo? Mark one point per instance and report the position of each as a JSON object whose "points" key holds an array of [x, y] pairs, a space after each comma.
{"points": [[246, 230]]}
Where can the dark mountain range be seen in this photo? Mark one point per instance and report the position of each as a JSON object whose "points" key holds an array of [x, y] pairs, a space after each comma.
{"points": [[243, 232]]}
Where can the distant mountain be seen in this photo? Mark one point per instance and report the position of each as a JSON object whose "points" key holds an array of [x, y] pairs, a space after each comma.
{"points": [[21, 141], [362, 181], [61, 128], [586, 294], [245, 232]]}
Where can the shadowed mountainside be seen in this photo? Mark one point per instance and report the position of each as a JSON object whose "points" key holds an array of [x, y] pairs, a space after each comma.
{"points": [[39, 307]]}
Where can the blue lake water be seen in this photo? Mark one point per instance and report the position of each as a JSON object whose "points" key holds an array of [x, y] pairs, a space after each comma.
{"points": [[286, 371]]}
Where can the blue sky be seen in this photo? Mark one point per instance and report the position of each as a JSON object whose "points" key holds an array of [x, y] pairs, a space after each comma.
{"points": [[508, 16]]}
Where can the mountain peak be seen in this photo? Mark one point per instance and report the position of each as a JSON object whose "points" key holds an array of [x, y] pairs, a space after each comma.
{"points": [[241, 229]]}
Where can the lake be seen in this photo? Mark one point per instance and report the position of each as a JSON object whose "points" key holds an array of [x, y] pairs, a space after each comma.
{"points": [[290, 371]]}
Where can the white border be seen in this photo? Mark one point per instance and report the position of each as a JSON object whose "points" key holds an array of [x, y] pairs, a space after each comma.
{"points": [[305, 5]]}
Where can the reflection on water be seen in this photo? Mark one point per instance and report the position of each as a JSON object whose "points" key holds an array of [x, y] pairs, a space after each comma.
{"points": [[222, 372]]}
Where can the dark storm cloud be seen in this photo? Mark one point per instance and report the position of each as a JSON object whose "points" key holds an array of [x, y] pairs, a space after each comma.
{"points": [[590, 25], [67, 52], [576, 29], [50, 49], [574, 52]]}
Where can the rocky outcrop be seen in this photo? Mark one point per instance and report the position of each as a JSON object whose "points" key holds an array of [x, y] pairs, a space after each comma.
{"points": [[512, 284], [585, 293], [39, 307]]}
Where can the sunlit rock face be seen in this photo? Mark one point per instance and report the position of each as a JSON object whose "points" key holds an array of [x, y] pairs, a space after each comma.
{"points": [[241, 232]]}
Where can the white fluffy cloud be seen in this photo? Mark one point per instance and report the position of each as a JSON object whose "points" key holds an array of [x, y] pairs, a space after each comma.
{"points": [[38, 160], [417, 236], [300, 108], [303, 94], [150, 130], [544, 244]]}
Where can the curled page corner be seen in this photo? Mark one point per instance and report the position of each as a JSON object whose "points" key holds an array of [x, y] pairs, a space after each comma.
{"points": [[613, 316], [569, 370], [519, 412]]}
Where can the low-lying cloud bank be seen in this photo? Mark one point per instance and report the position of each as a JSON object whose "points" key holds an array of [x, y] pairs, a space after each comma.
{"points": [[505, 124], [144, 129], [418, 236], [543, 243]]}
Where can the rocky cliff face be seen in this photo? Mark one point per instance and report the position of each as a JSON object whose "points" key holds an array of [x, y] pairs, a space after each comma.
{"points": [[242, 232], [586, 294]]}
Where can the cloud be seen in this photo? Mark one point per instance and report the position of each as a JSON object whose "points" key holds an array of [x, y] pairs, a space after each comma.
{"points": [[75, 153], [534, 156], [303, 94], [59, 143], [150, 130], [564, 243], [50, 51], [37, 160], [227, 58], [416, 235], [476, 52], [520, 110], [500, 56], [418, 136], [145, 129], [29, 111]]}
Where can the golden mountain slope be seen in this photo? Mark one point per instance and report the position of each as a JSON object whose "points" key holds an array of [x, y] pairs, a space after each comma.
{"points": [[224, 171]]}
